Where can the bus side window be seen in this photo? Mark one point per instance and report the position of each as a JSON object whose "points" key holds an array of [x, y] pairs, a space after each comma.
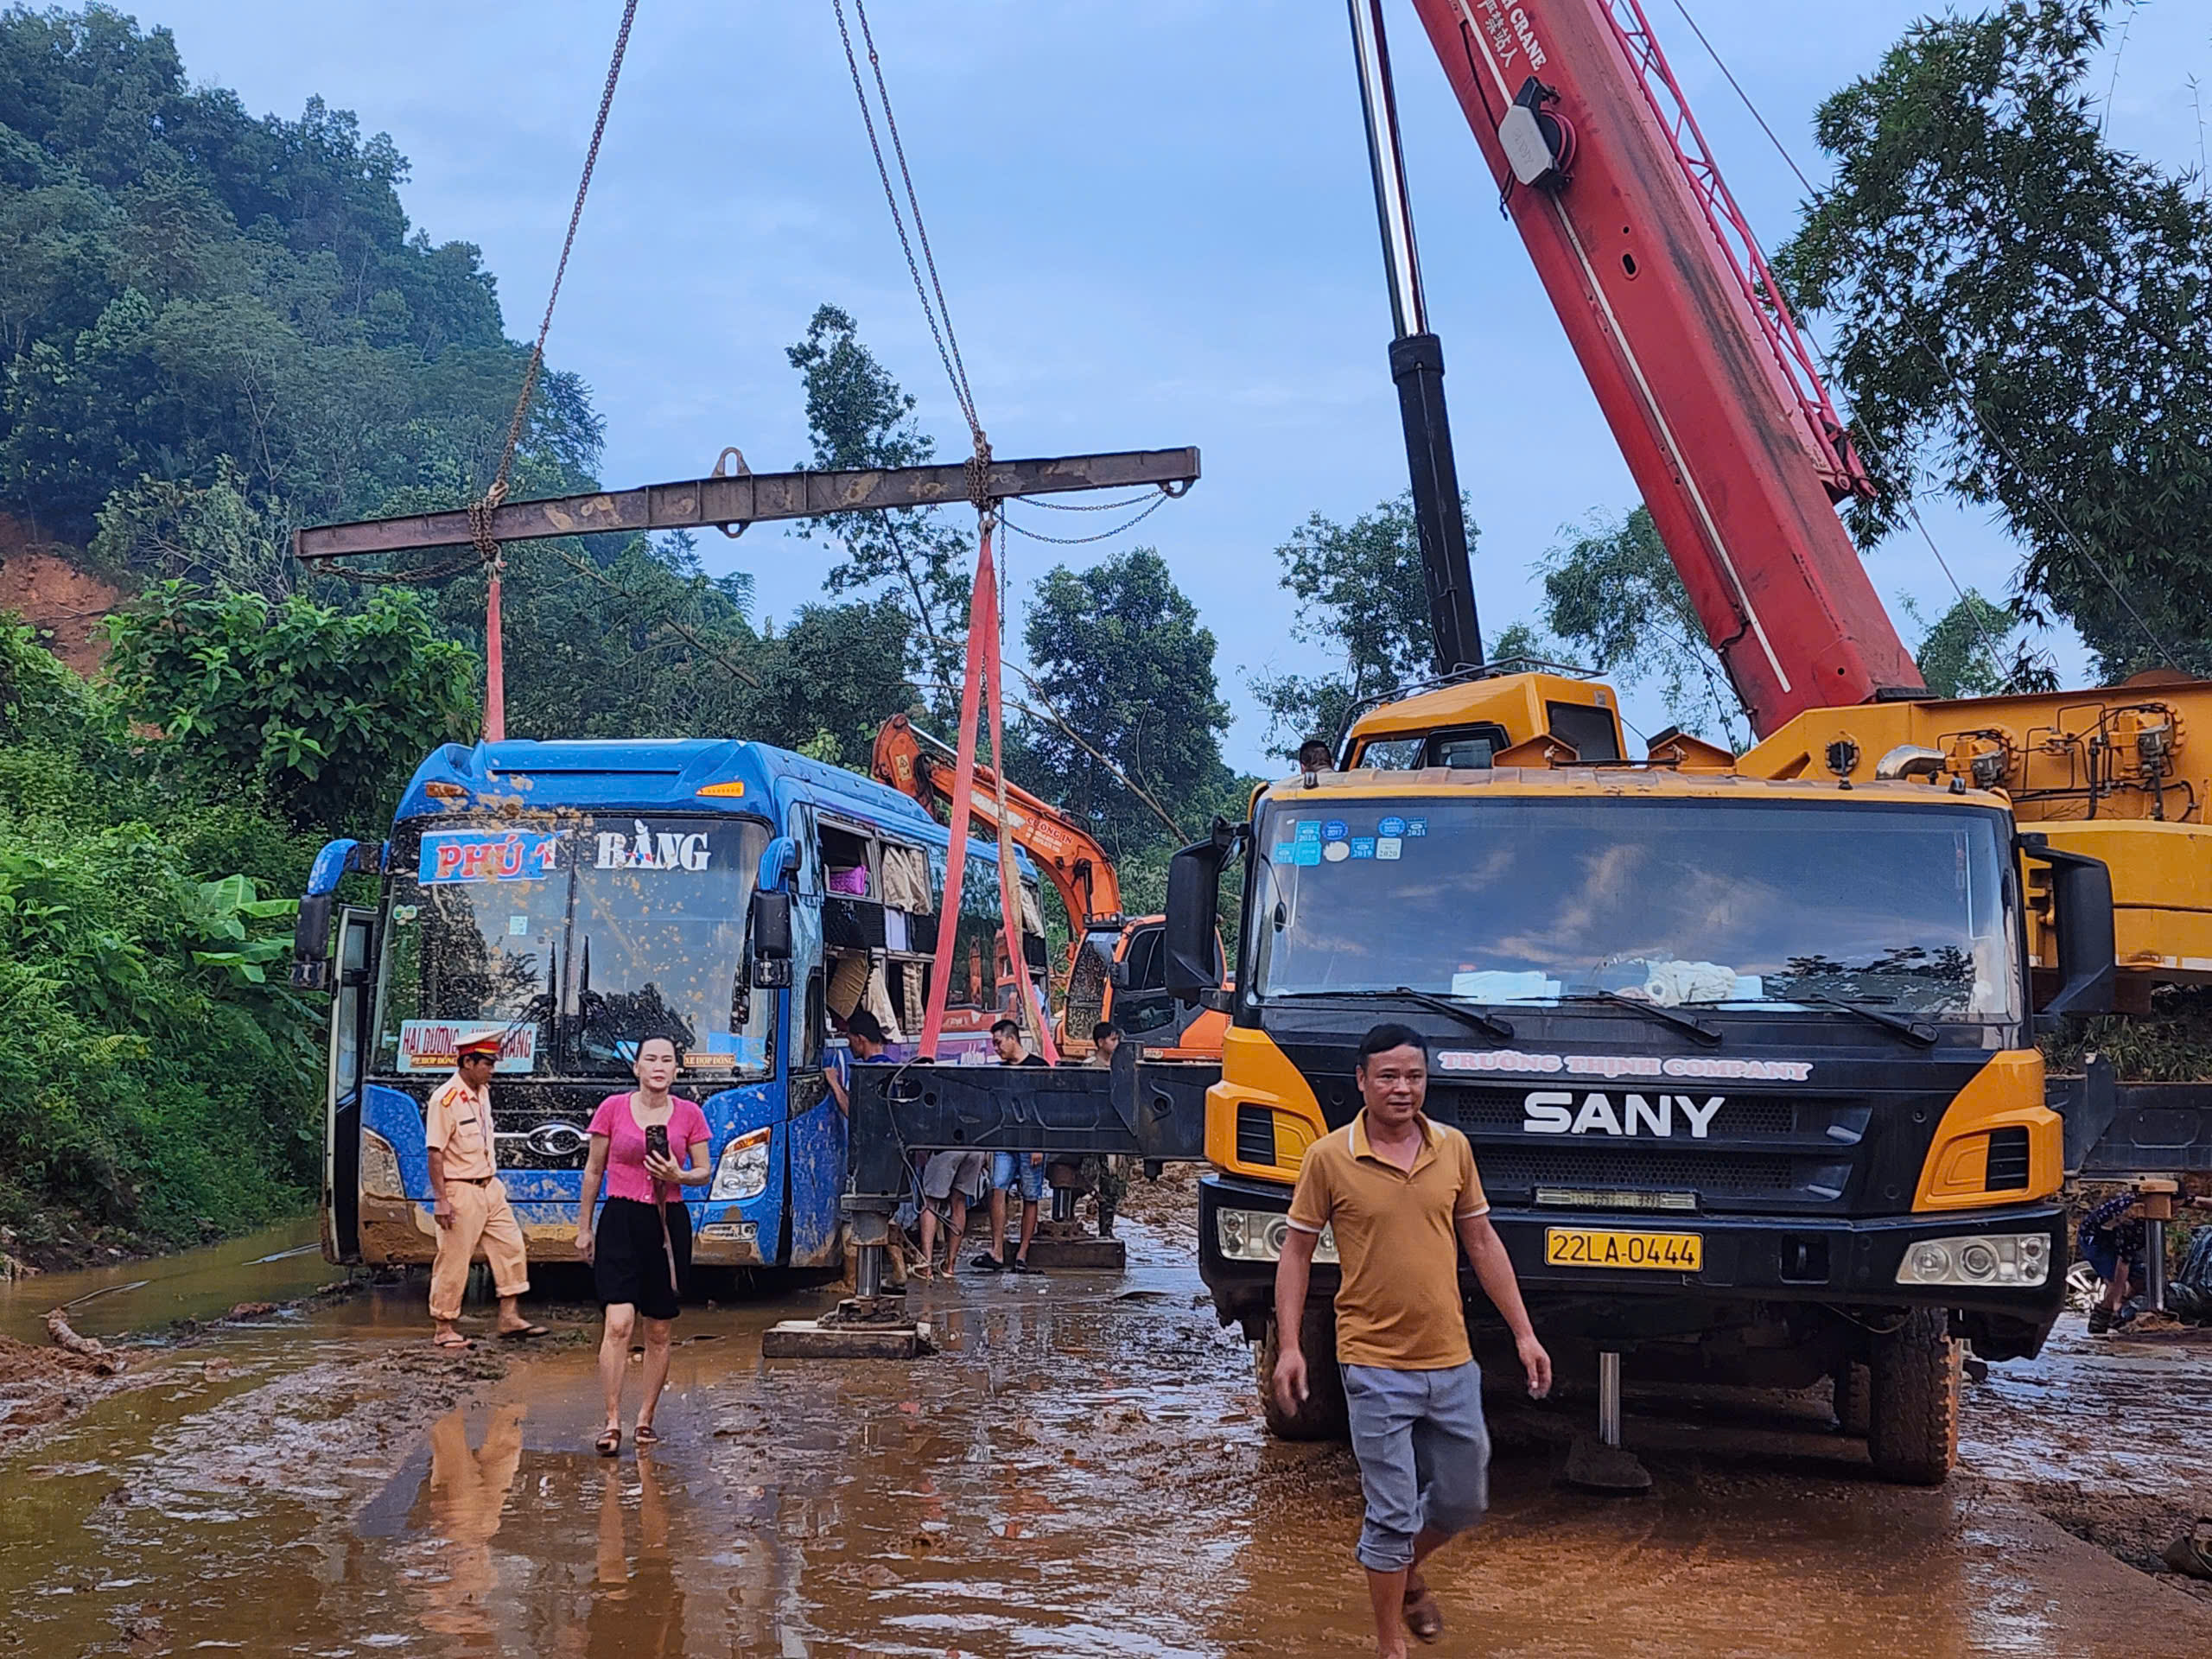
{"points": [[810, 1051]]}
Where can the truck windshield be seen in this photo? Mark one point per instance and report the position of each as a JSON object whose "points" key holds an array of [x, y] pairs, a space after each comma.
{"points": [[573, 939], [1675, 902]]}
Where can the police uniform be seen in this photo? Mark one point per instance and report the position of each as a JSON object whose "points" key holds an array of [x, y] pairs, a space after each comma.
{"points": [[458, 1124]]}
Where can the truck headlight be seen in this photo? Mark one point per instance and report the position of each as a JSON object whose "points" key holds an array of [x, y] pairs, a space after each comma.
{"points": [[1257, 1236], [1978, 1258], [741, 1172]]}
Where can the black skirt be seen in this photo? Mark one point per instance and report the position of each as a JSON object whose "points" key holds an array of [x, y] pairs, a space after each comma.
{"points": [[629, 1261]]}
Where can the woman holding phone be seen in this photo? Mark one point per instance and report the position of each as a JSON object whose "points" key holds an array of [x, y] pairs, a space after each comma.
{"points": [[640, 1248]]}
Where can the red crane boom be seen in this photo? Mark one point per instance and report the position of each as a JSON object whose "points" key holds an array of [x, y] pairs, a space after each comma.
{"points": [[1701, 370]]}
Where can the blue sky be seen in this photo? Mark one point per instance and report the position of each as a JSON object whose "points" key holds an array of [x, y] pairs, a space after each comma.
{"points": [[1153, 220]]}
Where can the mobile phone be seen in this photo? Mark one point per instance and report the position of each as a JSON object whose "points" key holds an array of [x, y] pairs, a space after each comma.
{"points": [[657, 1139]]}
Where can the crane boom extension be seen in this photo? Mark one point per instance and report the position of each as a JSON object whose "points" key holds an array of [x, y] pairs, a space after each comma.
{"points": [[1701, 374]]}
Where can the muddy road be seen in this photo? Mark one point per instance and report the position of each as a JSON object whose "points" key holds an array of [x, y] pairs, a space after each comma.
{"points": [[1082, 1472]]}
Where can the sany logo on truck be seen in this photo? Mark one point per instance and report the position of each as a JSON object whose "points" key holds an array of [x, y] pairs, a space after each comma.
{"points": [[1553, 1112]]}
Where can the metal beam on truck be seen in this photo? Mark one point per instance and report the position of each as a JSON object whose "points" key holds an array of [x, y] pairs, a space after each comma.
{"points": [[745, 498]]}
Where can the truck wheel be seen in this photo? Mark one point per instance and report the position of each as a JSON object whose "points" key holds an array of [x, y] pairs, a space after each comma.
{"points": [[1913, 1417], [1323, 1416], [1853, 1407]]}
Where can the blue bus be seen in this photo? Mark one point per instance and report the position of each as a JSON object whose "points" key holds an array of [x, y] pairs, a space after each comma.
{"points": [[573, 896]]}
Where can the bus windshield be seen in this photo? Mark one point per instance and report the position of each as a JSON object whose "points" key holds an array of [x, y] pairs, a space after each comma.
{"points": [[1536, 899], [573, 939]]}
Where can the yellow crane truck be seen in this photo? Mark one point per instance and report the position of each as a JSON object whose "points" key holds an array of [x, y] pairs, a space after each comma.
{"points": [[1748, 1063]]}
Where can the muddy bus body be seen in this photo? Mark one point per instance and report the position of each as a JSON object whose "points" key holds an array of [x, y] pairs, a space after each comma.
{"points": [[571, 897]]}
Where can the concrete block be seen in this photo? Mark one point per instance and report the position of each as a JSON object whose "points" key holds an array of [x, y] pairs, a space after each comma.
{"points": [[812, 1339], [1085, 1255]]}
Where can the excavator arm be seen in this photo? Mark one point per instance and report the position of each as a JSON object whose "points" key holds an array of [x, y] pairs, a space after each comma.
{"points": [[917, 765]]}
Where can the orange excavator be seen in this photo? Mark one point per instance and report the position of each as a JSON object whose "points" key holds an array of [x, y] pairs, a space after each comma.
{"points": [[1116, 967]]}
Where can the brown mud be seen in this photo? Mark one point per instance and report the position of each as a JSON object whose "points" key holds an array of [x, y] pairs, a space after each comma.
{"points": [[1082, 1472]]}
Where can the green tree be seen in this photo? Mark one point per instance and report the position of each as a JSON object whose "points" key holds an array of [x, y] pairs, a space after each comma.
{"points": [[920, 558], [1117, 653], [1971, 650], [1362, 598], [1613, 599], [213, 536], [328, 713], [2019, 311]]}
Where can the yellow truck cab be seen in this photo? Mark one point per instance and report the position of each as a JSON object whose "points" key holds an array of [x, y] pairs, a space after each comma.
{"points": [[1748, 1065]]}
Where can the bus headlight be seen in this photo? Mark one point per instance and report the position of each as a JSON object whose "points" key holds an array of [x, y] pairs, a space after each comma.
{"points": [[1257, 1236], [741, 1172], [380, 1177], [1978, 1258]]}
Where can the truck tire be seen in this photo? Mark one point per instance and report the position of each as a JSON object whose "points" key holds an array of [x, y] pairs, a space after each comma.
{"points": [[1323, 1416], [1912, 1433]]}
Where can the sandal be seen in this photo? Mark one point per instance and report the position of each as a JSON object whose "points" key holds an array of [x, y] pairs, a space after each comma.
{"points": [[2191, 1553], [920, 1271], [452, 1342], [609, 1442], [644, 1435], [1422, 1615], [523, 1333]]}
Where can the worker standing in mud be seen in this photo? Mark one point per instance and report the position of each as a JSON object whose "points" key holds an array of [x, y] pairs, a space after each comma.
{"points": [[1010, 1169], [469, 1199], [1402, 1196]]}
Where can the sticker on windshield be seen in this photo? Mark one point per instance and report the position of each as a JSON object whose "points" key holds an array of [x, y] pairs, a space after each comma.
{"points": [[1363, 846], [1309, 852], [1392, 827], [646, 850], [434, 1045], [1335, 829], [487, 856], [1416, 826], [1335, 851], [1306, 829], [1388, 846], [1285, 852]]}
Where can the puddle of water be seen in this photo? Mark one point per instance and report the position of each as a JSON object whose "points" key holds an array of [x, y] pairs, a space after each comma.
{"points": [[1082, 1473], [274, 1265]]}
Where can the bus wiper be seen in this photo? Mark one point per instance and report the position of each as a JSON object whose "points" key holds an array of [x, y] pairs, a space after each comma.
{"points": [[1695, 1027], [1913, 1031], [1467, 1013]]}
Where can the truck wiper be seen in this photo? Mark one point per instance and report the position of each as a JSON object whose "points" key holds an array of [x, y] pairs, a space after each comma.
{"points": [[1913, 1031], [1689, 1023], [1490, 1025]]}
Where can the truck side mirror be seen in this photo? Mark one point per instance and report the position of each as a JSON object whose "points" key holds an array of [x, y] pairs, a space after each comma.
{"points": [[769, 935], [2081, 891], [1193, 895]]}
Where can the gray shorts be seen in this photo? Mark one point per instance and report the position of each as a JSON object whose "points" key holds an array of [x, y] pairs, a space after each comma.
{"points": [[948, 1173], [1424, 1455]]}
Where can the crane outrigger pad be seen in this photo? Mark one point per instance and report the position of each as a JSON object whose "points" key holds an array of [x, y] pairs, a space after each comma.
{"points": [[750, 497]]}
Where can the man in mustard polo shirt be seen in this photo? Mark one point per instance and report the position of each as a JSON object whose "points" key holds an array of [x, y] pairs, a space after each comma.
{"points": [[469, 1200], [1403, 1199]]}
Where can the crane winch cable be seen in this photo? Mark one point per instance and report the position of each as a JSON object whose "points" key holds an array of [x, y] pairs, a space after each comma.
{"points": [[938, 314], [484, 549]]}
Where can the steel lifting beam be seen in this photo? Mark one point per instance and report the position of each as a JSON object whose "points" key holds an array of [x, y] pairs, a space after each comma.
{"points": [[751, 498]]}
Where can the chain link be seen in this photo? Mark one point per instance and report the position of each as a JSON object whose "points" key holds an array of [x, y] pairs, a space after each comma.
{"points": [[1085, 541]]}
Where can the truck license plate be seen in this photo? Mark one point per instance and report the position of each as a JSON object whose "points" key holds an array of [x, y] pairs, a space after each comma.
{"points": [[1590, 1246]]}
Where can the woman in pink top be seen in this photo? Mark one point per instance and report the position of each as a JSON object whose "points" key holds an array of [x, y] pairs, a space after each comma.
{"points": [[640, 1249]]}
